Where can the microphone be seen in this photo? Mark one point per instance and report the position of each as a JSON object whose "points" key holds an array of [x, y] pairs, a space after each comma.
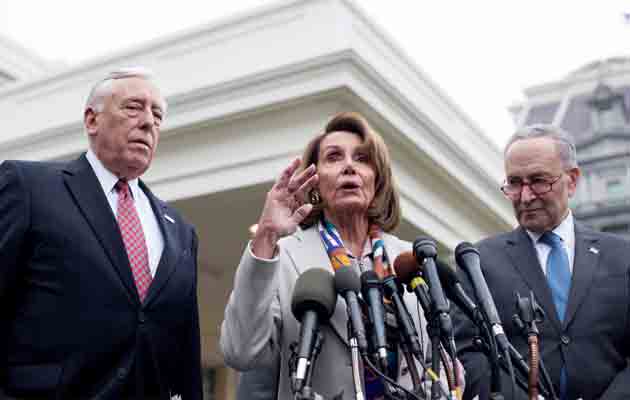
{"points": [[405, 323], [425, 251], [372, 292], [455, 292], [467, 258], [347, 284], [408, 272], [313, 302]]}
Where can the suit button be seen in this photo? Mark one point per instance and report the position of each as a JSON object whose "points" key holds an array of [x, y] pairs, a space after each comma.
{"points": [[565, 340], [122, 373], [142, 318]]}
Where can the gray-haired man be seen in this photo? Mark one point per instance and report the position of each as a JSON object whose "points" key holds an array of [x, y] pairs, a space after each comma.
{"points": [[580, 277], [98, 277]]}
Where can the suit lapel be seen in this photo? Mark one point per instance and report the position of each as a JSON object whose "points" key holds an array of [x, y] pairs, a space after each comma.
{"points": [[525, 260], [169, 257], [585, 264], [90, 199], [309, 253]]}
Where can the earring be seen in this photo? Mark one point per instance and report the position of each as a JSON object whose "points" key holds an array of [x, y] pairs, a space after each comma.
{"points": [[315, 199]]}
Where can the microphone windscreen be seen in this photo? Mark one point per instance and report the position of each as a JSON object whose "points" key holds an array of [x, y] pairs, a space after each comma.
{"points": [[346, 279], [314, 291], [424, 247], [406, 267], [463, 249]]}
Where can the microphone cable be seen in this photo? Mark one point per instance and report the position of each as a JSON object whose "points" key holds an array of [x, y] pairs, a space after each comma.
{"points": [[392, 382]]}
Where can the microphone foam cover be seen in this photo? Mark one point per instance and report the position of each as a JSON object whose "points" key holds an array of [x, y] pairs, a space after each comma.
{"points": [[406, 267], [424, 247], [314, 291], [346, 279], [461, 250]]}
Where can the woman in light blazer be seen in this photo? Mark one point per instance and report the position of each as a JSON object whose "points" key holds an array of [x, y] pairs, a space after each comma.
{"points": [[333, 208]]}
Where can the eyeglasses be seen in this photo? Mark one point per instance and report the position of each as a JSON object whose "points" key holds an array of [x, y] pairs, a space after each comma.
{"points": [[539, 186]]}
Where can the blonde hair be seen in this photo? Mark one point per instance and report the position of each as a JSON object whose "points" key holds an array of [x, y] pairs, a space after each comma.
{"points": [[384, 210]]}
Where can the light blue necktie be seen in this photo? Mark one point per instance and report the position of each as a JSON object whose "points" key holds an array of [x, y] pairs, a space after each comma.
{"points": [[558, 272], [559, 279]]}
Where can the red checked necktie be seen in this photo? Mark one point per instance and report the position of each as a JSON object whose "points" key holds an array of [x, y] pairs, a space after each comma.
{"points": [[133, 237]]}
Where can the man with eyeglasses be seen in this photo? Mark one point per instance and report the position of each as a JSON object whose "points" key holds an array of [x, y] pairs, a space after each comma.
{"points": [[580, 278], [98, 276]]}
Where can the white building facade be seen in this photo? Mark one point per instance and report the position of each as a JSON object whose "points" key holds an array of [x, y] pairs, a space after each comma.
{"points": [[245, 96]]}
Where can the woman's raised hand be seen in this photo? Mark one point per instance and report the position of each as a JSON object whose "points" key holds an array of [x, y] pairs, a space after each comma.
{"points": [[285, 207]]}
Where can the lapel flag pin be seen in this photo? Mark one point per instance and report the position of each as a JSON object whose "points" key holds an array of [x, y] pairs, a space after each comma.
{"points": [[169, 219], [594, 250]]}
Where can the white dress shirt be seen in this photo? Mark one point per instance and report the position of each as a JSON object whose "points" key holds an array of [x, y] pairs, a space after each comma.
{"points": [[152, 233], [566, 232]]}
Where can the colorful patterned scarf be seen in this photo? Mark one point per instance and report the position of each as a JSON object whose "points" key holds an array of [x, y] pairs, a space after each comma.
{"points": [[340, 257]]}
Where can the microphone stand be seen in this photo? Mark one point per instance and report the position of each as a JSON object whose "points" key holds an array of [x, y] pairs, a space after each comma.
{"points": [[489, 348], [433, 329], [307, 392], [529, 313], [356, 370], [484, 347], [418, 286], [486, 343], [525, 310], [413, 369], [357, 366], [450, 366]]}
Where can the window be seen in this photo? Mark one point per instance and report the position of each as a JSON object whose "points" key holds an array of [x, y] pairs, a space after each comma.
{"points": [[614, 187]]}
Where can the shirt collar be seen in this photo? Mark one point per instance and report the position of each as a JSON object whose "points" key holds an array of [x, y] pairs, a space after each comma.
{"points": [[564, 230], [106, 178]]}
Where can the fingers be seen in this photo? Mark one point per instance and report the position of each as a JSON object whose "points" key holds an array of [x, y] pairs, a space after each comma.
{"points": [[301, 213], [298, 180], [293, 187], [302, 193], [288, 172]]}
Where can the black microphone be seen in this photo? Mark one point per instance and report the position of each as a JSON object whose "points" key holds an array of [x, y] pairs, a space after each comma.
{"points": [[313, 302], [405, 322], [408, 272], [372, 291], [467, 258], [425, 251], [348, 285], [456, 293]]}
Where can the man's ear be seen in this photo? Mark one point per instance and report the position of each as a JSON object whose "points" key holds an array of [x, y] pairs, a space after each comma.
{"points": [[574, 176], [90, 120]]}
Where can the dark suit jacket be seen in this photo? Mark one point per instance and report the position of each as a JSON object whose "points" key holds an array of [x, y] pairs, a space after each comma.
{"points": [[594, 339], [72, 325]]}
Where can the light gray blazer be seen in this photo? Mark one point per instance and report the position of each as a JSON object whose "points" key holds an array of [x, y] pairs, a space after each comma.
{"points": [[259, 323]]}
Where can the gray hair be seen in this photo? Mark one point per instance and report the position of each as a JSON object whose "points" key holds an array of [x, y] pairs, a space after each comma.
{"points": [[103, 88], [564, 141]]}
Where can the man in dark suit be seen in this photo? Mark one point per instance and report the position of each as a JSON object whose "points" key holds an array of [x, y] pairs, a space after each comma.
{"points": [[579, 277], [98, 292]]}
